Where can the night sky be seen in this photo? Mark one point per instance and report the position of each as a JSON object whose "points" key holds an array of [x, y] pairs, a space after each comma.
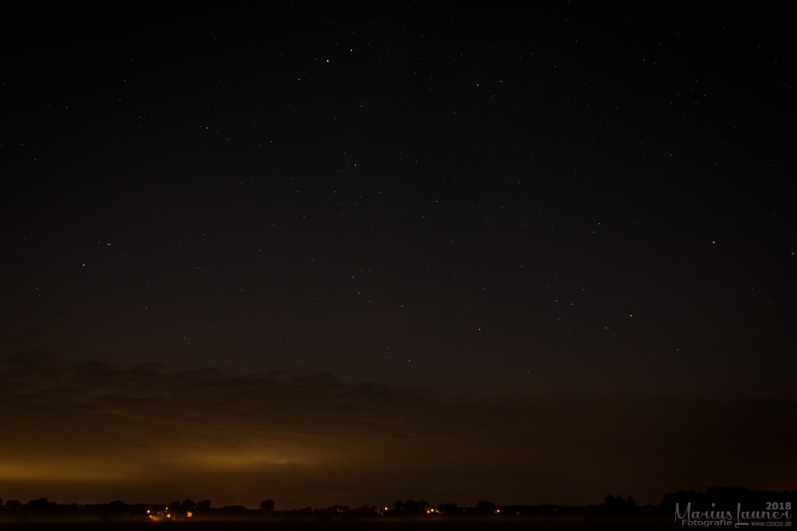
{"points": [[348, 253]]}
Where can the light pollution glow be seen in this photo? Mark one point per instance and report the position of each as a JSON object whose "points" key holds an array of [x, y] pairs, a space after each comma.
{"points": [[90, 432]]}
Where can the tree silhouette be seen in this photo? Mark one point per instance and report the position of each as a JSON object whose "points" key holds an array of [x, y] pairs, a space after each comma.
{"points": [[267, 505], [617, 504], [40, 505], [449, 508], [485, 507], [117, 506], [411, 506]]}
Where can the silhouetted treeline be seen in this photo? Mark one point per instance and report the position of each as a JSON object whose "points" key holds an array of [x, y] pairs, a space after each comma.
{"points": [[45, 507], [721, 497]]}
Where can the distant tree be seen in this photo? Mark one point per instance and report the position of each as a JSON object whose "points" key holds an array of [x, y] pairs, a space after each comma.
{"points": [[618, 504], [485, 507], [117, 506], [204, 504], [42, 504], [188, 504], [365, 510], [267, 505], [398, 505], [13, 504], [449, 508], [411, 507]]}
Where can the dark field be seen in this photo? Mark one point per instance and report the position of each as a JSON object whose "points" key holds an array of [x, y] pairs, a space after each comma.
{"points": [[386, 524]]}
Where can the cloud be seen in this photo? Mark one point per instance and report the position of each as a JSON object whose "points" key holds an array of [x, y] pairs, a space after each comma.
{"points": [[90, 431]]}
